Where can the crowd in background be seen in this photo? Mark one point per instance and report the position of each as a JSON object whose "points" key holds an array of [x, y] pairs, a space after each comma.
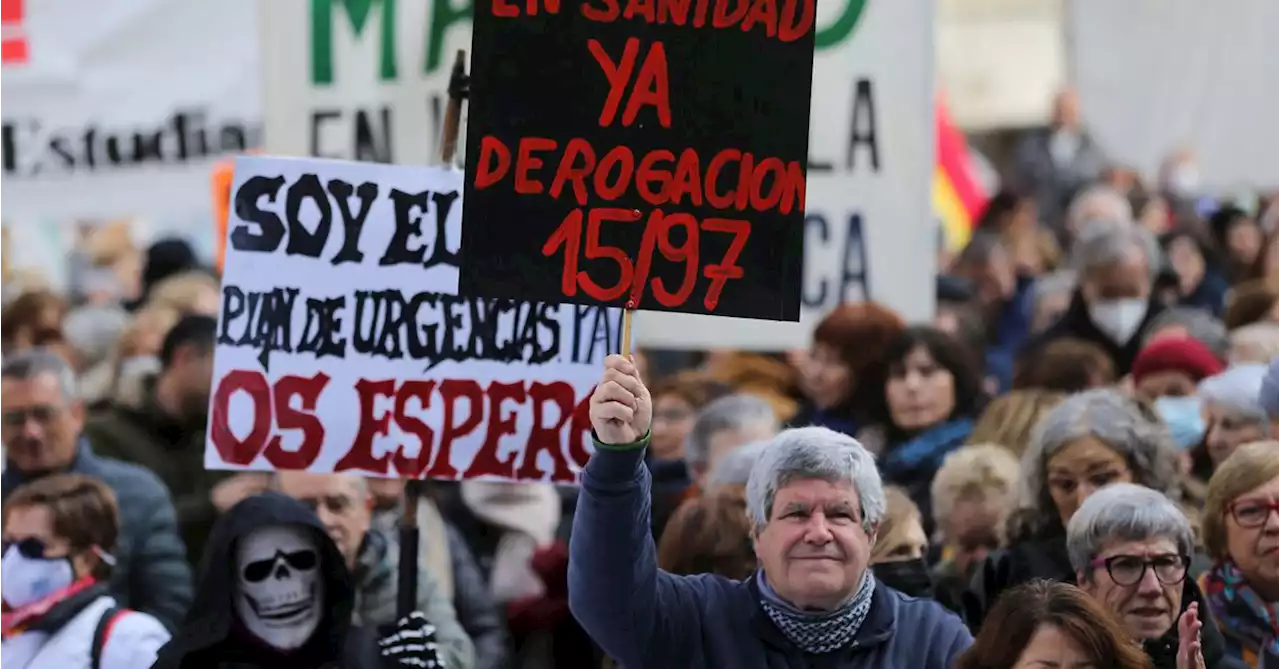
{"points": [[1094, 403]]}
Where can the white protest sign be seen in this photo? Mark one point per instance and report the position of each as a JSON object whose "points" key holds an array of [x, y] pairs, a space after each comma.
{"points": [[342, 345], [870, 232], [359, 79], [122, 107]]}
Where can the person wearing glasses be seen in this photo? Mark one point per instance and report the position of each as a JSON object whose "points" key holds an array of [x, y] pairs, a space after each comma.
{"points": [[59, 535], [1240, 528], [1130, 547]]}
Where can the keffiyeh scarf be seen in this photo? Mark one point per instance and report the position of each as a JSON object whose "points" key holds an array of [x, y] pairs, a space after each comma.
{"points": [[818, 633], [1241, 614]]}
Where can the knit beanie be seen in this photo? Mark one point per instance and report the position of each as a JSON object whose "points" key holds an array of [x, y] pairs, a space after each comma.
{"points": [[1180, 354]]}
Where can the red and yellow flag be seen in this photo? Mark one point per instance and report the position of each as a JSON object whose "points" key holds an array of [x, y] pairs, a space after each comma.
{"points": [[958, 197]]}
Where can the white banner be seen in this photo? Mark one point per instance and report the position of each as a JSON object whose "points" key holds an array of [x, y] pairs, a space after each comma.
{"points": [[342, 345], [359, 79], [120, 108], [869, 230]]}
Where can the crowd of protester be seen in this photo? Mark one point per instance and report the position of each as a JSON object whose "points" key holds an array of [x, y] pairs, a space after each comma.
{"points": [[1075, 462]]}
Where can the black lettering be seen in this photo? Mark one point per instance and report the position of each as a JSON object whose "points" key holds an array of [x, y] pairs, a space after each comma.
{"points": [[853, 264], [322, 334], [862, 126], [233, 304], [371, 148], [440, 253], [267, 324], [408, 226], [303, 242], [352, 225], [270, 228], [816, 223], [319, 118]]}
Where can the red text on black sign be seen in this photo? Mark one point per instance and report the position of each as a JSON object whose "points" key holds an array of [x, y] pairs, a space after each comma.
{"points": [[634, 277], [784, 20]]}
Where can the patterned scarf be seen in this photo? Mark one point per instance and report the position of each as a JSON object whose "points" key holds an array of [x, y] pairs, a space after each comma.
{"points": [[818, 633], [1240, 612]]}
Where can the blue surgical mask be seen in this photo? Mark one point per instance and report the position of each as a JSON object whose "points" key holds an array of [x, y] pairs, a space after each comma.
{"points": [[1184, 418]]}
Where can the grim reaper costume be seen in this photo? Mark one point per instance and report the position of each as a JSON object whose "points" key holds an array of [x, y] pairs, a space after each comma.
{"points": [[274, 592]]}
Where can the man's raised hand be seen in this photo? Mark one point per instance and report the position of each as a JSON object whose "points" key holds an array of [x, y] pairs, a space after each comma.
{"points": [[621, 409]]}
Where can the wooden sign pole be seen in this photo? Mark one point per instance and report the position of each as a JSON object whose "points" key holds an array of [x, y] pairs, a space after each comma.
{"points": [[407, 572]]}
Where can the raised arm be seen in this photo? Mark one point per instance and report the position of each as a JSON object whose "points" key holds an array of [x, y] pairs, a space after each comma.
{"points": [[616, 590]]}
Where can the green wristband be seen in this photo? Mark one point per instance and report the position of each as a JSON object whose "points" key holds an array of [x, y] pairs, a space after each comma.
{"points": [[639, 443]]}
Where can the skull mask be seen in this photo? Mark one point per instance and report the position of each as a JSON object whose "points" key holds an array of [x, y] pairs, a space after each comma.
{"points": [[281, 592]]}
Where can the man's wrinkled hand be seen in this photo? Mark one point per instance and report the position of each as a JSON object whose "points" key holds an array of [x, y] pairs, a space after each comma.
{"points": [[621, 409]]}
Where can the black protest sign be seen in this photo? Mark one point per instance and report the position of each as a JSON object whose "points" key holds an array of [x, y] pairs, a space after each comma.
{"points": [[643, 152]]}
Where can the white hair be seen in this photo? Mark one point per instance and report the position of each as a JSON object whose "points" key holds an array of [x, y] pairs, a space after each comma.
{"points": [[733, 412], [1236, 390], [1099, 204], [814, 453], [1102, 245], [1124, 512]]}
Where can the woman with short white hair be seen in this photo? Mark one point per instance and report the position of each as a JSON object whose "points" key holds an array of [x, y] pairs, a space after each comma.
{"points": [[815, 504], [1233, 416], [1131, 547]]}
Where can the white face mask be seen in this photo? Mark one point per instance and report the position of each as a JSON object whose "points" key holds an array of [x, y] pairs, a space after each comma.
{"points": [[280, 589], [26, 580], [1118, 319]]}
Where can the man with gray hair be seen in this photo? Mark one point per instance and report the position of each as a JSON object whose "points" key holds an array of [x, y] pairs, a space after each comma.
{"points": [[1131, 547], [722, 427], [815, 503], [41, 422], [1112, 304]]}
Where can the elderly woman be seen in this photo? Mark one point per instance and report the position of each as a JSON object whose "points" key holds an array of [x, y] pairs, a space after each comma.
{"points": [[1088, 441], [898, 556], [1240, 534], [1130, 548], [1232, 414], [972, 494], [815, 503], [1114, 303]]}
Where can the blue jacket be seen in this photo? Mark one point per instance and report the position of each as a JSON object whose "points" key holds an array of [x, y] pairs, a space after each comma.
{"points": [[646, 618], [151, 573]]}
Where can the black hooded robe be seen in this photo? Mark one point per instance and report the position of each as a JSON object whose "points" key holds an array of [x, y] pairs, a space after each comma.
{"points": [[212, 637]]}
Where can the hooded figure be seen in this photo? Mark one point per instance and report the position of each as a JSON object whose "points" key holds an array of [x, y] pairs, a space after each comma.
{"points": [[274, 591]]}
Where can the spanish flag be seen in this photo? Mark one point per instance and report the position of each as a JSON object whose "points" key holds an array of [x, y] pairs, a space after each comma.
{"points": [[958, 197]]}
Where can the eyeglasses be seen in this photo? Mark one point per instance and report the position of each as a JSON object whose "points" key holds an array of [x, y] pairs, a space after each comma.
{"points": [[1252, 512], [303, 560], [32, 547], [1128, 570], [16, 418]]}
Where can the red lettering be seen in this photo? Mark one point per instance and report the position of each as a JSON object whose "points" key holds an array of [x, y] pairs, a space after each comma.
{"points": [[577, 175], [260, 439], [717, 164], [503, 9], [626, 162], [553, 7], [723, 18], [608, 14], [764, 11], [578, 430], [288, 418], [793, 190], [487, 174], [765, 201], [486, 462], [686, 179], [526, 162], [547, 439], [412, 468], [685, 252], [617, 75], [232, 449], [728, 267], [700, 14], [647, 175], [360, 455], [597, 251], [642, 8], [745, 170], [651, 88], [450, 392], [792, 27]]}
